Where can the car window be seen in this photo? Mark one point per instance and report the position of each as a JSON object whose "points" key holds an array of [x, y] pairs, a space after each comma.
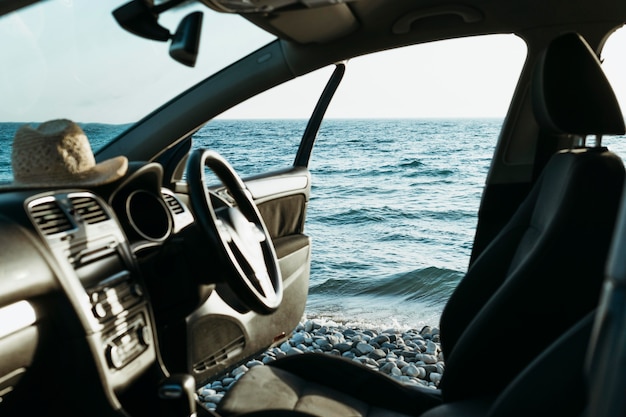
{"points": [[71, 59], [55, 73], [253, 146], [398, 169], [263, 133]]}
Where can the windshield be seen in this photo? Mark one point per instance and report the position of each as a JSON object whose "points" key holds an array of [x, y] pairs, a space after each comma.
{"points": [[70, 59]]}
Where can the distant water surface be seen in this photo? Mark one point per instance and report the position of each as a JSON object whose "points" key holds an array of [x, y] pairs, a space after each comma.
{"points": [[392, 212]]}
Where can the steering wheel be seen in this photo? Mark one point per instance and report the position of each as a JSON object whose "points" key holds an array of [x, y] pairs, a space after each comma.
{"points": [[238, 232]]}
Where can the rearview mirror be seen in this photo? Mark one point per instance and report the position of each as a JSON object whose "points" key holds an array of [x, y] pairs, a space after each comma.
{"points": [[141, 17], [186, 40]]}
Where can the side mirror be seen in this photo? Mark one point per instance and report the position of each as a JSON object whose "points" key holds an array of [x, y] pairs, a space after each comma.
{"points": [[186, 40]]}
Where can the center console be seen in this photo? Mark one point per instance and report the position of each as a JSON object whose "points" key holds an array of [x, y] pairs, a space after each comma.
{"points": [[98, 276]]}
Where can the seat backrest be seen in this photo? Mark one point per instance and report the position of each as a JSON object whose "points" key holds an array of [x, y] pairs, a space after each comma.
{"points": [[606, 358], [543, 272], [553, 384]]}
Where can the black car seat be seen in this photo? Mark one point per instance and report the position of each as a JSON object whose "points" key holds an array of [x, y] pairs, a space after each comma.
{"points": [[606, 358], [540, 276], [553, 384], [545, 268]]}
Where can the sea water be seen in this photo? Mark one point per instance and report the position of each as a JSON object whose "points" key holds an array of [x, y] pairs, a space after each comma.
{"points": [[393, 207]]}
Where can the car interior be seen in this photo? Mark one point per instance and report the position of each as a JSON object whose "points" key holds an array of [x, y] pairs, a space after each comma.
{"points": [[121, 297], [514, 283]]}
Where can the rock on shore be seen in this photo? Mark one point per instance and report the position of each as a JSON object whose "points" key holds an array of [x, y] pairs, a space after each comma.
{"points": [[411, 356]]}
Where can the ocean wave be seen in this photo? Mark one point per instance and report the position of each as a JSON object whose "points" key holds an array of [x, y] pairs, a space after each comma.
{"points": [[431, 286], [398, 217], [356, 216], [411, 164], [448, 215]]}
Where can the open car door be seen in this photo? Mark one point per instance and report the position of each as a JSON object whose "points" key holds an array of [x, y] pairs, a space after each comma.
{"points": [[221, 331]]}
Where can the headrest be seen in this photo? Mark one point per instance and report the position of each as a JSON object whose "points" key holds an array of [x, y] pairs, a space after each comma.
{"points": [[570, 92]]}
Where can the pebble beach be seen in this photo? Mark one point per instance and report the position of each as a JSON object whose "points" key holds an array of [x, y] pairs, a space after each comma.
{"points": [[411, 356]]}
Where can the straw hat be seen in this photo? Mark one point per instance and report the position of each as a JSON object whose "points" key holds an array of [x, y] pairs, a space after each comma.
{"points": [[56, 153]]}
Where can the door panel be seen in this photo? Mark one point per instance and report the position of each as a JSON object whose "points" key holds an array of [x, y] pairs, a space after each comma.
{"points": [[221, 336], [282, 199]]}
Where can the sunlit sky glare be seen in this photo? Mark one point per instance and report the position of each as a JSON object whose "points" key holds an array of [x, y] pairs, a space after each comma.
{"points": [[463, 77], [472, 77]]}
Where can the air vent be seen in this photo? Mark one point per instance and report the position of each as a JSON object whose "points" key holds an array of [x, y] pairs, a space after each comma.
{"points": [[49, 218], [173, 203], [89, 210], [232, 349]]}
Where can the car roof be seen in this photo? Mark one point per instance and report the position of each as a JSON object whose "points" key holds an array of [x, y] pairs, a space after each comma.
{"points": [[397, 22], [335, 30], [320, 32]]}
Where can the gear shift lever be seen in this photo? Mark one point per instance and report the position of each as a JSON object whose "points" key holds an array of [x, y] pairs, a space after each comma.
{"points": [[177, 393]]}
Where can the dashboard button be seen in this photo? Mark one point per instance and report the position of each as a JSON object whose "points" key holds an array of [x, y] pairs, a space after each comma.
{"points": [[115, 356], [99, 310]]}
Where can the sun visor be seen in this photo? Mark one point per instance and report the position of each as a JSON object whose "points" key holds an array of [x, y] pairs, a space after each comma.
{"points": [[247, 6], [303, 26], [296, 20]]}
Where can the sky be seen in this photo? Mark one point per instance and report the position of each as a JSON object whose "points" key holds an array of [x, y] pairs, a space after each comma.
{"points": [[47, 71], [463, 77], [471, 77]]}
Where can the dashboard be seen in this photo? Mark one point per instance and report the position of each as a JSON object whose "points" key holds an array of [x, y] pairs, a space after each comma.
{"points": [[109, 294], [74, 305]]}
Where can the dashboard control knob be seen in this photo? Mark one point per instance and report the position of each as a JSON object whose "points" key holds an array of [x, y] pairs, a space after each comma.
{"points": [[99, 311], [137, 290], [115, 356], [144, 335]]}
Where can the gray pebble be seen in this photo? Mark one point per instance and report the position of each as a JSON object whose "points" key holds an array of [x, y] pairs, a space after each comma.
{"points": [[294, 351], [380, 339], [364, 348], [298, 338], [388, 367], [253, 363], [411, 370], [204, 392], [268, 359], [435, 377], [213, 398], [308, 326], [349, 355], [431, 347], [377, 354], [239, 370], [343, 347], [429, 359]]}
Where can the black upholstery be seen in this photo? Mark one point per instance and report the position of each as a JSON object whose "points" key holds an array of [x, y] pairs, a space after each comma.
{"points": [[537, 278], [568, 80], [564, 104], [327, 385], [540, 276], [554, 381], [606, 358], [552, 385], [545, 251]]}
